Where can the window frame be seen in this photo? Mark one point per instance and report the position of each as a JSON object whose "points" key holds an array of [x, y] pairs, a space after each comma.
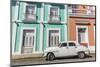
{"points": [[28, 35], [29, 4], [24, 46], [30, 17], [57, 10], [21, 39], [54, 35], [82, 32], [48, 34], [50, 6], [87, 35]]}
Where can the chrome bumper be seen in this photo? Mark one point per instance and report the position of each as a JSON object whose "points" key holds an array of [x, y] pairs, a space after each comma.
{"points": [[87, 52]]}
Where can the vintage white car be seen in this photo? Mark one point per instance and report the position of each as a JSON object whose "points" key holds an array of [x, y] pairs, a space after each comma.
{"points": [[65, 49]]}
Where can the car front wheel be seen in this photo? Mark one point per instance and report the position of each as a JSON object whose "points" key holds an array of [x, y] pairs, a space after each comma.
{"points": [[50, 56], [81, 55]]}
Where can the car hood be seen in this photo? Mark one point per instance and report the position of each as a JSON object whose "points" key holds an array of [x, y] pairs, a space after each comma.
{"points": [[50, 49]]}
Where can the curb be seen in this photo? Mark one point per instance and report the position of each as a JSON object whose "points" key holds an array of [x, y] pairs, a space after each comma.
{"points": [[29, 58], [37, 58]]}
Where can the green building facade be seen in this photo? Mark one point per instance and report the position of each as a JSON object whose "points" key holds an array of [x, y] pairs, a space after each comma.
{"points": [[37, 25]]}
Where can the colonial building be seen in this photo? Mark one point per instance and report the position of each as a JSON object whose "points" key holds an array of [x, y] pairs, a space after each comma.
{"points": [[37, 25], [82, 22]]}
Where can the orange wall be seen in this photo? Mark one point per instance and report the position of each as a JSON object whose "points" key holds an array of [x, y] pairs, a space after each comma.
{"points": [[91, 34], [72, 28]]}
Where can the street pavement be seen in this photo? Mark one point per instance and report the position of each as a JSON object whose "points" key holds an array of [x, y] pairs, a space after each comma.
{"points": [[40, 61]]}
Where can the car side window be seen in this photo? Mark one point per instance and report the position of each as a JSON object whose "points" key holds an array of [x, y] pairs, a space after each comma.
{"points": [[64, 45], [71, 44]]}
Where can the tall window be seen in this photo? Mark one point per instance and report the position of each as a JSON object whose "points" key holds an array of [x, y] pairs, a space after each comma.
{"points": [[81, 35], [30, 11], [54, 11], [28, 41], [54, 14], [53, 37]]}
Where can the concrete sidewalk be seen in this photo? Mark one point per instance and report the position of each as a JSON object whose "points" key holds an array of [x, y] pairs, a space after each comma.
{"points": [[27, 56], [35, 57], [41, 60]]}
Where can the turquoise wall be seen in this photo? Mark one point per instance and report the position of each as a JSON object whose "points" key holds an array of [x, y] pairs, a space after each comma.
{"points": [[13, 4], [38, 31], [46, 12], [61, 11], [62, 8], [46, 26], [38, 11], [37, 26], [22, 10]]}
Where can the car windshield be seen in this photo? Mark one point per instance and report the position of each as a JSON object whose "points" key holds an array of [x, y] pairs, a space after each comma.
{"points": [[64, 44]]}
